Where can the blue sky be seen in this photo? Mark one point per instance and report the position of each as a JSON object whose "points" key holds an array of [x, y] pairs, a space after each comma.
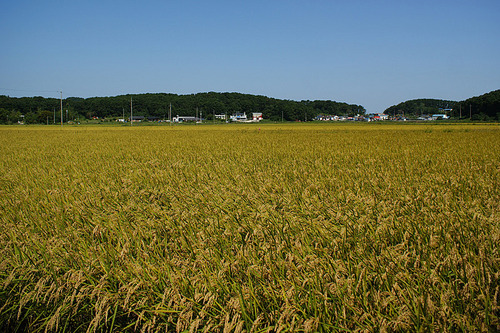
{"points": [[373, 53]]}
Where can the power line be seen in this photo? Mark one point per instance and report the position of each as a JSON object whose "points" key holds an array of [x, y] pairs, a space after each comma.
{"points": [[32, 91]]}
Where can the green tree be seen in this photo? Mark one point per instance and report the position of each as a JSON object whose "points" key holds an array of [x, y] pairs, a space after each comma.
{"points": [[44, 117], [4, 116], [30, 118]]}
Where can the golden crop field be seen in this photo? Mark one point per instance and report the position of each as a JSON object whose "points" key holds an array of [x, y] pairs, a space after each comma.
{"points": [[250, 228]]}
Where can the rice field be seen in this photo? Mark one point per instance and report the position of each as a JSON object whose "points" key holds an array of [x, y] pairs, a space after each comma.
{"points": [[250, 228]]}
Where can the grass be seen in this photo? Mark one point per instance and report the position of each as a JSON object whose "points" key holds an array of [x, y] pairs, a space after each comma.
{"points": [[256, 228]]}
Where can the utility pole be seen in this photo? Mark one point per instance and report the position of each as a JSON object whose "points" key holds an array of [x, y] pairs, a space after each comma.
{"points": [[460, 112], [470, 111], [130, 110], [170, 114], [61, 110]]}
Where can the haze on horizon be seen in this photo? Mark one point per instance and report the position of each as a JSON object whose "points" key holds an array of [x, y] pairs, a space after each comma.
{"points": [[372, 53]]}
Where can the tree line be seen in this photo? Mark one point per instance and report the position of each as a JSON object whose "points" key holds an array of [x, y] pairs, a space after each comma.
{"points": [[47, 110]]}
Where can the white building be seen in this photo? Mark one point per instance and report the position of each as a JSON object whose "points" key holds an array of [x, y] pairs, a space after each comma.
{"points": [[181, 119], [379, 116], [439, 116], [239, 117]]}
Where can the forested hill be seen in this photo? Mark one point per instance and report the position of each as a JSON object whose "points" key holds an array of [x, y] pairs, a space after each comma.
{"points": [[417, 107], [38, 109], [484, 107]]}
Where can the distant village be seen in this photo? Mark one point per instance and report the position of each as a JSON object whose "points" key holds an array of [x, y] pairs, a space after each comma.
{"points": [[257, 117], [236, 117], [381, 117]]}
